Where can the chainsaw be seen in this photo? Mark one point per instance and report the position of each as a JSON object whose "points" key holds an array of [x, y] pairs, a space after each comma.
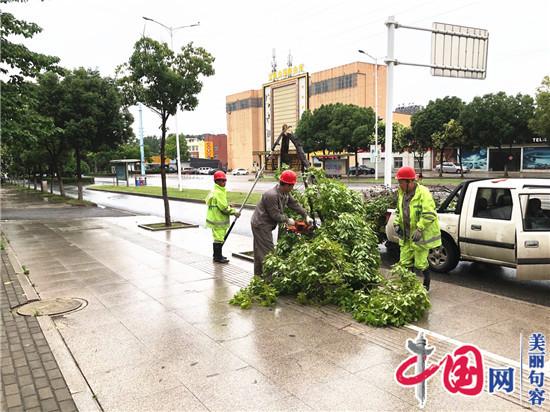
{"points": [[300, 228]]}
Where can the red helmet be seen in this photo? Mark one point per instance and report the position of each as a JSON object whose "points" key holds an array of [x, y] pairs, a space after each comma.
{"points": [[288, 177], [219, 175], [406, 173]]}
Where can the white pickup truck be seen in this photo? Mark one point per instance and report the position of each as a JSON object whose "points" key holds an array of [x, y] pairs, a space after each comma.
{"points": [[501, 221]]}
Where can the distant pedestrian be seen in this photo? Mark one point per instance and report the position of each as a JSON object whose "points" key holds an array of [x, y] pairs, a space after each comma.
{"points": [[416, 223], [217, 215], [269, 213]]}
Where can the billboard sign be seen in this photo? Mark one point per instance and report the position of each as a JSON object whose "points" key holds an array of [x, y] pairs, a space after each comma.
{"points": [[536, 158], [209, 150], [475, 159], [459, 51]]}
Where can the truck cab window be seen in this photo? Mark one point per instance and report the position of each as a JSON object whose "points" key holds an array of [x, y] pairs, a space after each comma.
{"points": [[536, 215], [493, 203]]}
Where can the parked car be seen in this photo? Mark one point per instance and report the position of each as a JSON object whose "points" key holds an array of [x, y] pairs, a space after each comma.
{"points": [[188, 171], [500, 221], [239, 171], [449, 167], [361, 170], [205, 170]]}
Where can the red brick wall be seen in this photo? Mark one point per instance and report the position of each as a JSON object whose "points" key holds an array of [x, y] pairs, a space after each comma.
{"points": [[220, 146]]}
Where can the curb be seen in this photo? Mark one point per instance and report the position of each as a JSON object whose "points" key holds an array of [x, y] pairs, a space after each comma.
{"points": [[177, 199], [81, 392]]}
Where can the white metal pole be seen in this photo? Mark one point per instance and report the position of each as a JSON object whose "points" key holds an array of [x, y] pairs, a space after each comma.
{"points": [[376, 119], [180, 188], [390, 61], [141, 149]]}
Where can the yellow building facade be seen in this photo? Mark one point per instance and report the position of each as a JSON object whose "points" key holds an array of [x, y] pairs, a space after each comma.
{"points": [[255, 117]]}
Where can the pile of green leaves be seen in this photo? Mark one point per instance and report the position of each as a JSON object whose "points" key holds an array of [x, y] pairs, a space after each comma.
{"points": [[398, 300], [258, 291], [377, 202], [339, 264]]}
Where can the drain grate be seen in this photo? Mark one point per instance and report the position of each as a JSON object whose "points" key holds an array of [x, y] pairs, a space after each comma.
{"points": [[51, 307], [161, 226]]}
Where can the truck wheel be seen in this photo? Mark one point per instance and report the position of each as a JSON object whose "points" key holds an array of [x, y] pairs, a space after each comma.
{"points": [[445, 257]]}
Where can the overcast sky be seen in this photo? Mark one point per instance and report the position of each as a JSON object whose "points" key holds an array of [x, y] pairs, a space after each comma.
{"points": [[321, 34]]}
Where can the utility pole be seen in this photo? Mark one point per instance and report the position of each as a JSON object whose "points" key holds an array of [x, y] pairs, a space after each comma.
{"points": [[375, 112], [172, 30]]}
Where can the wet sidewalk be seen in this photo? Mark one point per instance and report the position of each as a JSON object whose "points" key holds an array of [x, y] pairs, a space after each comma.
{"points": [[158, 334]]}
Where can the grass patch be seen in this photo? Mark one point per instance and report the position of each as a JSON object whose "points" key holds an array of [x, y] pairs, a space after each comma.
{"points": [[173, 193], [53, 198]]}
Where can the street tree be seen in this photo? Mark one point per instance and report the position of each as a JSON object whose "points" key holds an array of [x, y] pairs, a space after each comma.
{"points": [[100, 160], [452, 136], [49, 93], [22, 125], [431, 121], [153, 143], [540, 123], [336, 127], [499, 120], [164, 81], [351, 128], [94, 115], [89, 110], [171, 147], [313, 128], [17, 62]]}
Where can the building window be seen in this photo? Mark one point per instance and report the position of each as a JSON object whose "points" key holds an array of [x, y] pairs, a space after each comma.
{"points": [[397, 162], [244, 104], [336, 83]]}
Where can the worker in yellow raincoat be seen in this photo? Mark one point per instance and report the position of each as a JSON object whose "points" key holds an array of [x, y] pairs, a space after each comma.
{"points": [[217, 216]]}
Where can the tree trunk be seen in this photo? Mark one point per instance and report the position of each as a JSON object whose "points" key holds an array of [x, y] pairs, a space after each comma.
{"points": [[356, 163], [505, 164], [420, 164], [60, 180], [78, 174], [167, 220], [460, 162], [441, 162]]}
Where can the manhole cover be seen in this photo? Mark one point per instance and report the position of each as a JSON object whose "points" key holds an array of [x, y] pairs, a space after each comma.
{"points": [[50, 307]]}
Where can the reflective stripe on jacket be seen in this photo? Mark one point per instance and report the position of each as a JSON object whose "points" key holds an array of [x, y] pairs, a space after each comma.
{"points": [[219, 210], [423, 216]]}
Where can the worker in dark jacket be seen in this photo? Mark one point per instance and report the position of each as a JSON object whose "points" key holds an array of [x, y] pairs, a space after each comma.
{"points": [[269, 213]]}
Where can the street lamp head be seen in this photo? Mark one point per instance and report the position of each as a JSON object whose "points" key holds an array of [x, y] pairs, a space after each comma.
{"points": [[146, 18], [360, 51]]}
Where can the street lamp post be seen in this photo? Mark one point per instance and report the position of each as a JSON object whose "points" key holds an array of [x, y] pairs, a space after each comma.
{"points": [[375, 112], [172, 30]]}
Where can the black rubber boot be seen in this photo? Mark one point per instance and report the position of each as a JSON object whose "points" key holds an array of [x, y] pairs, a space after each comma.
{"points": [[218, 258], [427, 279]]}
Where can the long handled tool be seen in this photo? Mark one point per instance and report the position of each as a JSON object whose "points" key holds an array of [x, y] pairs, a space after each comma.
{"points": [[258, 175]]}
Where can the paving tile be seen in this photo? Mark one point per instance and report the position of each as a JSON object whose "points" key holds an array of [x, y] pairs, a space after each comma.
{"points": [[300, 369], [31, 402], [354, 353], [244, 389], [131, 382], [349, 393]]}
